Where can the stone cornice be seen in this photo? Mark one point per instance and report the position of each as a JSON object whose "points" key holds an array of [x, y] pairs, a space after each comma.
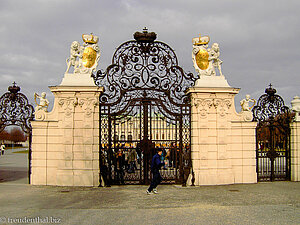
{"points": [[75, 89], [210, 90]]}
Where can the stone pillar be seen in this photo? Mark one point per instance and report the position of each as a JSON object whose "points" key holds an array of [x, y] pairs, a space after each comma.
{"points": [[223, 142], [295, 141], [65, 146], [295, 151]]}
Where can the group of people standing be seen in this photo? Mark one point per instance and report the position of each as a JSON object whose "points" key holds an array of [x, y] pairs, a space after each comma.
{"points": [[123, 159]]}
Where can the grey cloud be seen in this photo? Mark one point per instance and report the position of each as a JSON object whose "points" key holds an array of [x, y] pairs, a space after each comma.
{"points": [[258, 39]]}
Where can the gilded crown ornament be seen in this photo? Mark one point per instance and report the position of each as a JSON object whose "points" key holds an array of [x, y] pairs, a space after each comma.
{"points": [[90, 38], [201, 40]]}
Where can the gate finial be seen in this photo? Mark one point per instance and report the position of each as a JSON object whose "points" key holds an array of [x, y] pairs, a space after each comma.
{"points": [[270, 90], [14, 89], [144, 36]]}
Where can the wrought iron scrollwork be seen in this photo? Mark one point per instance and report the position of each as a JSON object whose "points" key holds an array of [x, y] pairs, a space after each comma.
{"points": [[272, 137], [15, 109], [144, 67], [269, 106]]}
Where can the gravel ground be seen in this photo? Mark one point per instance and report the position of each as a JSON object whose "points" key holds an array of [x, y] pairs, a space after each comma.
{"points": [[262, 203]]}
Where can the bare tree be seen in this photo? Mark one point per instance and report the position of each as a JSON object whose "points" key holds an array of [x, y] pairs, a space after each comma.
{"points": [[4, 135], [17, 135]]}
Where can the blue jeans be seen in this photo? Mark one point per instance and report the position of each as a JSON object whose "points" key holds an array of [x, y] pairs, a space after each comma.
{"points": [[156, 179]]}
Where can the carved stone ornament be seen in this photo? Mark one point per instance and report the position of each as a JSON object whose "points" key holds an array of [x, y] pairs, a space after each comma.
{"points": [[206, 60], [88, 105], [84, 59], [203, 105], [40, 115], [222, 106], [247, 116], [68, 105]]}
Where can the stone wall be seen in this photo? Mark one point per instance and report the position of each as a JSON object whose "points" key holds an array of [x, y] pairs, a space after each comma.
{"points": [[295, 151], [65, 142], [223, 141]]}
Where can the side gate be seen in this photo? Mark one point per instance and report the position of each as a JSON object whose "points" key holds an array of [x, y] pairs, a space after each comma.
{"points": [[15, 110], [273, 152], [143, 107]]}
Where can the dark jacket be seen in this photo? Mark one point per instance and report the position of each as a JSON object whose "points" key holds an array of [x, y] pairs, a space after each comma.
{"points": [[156, 163]]}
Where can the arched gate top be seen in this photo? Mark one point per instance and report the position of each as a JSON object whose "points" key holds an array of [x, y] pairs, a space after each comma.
{"points": [[15, 109], [269, 106], [144, 68]]}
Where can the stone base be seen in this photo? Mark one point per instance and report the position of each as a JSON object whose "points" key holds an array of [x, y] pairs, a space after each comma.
{"points": [[77, 79], [212, 81], [214, 177]]}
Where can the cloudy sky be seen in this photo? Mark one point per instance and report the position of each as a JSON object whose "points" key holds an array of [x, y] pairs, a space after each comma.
{"points": [[259, 39]]}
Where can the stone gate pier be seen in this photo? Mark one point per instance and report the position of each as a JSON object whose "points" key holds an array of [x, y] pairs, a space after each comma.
{"points": [[65, 141], [223, 141], [65, 149]]}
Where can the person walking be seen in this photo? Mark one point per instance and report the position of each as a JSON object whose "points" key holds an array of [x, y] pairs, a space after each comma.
{"points": [[2, 148], [155, 167]]}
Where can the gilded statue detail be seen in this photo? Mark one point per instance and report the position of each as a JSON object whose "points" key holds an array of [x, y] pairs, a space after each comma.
{"points": [[206, 60], [84, 59]]}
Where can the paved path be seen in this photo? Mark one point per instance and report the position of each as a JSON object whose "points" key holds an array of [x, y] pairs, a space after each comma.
{"points": [[263, 203], [13, 166]]}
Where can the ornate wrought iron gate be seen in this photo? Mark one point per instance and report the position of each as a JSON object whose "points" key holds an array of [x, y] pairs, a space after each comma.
{"points": [[15, 110], [144, 106], [272, 137]]}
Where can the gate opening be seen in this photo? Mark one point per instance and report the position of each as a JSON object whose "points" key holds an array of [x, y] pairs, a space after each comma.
{"points": [[273, 152], [15, 110], [144, 106]]}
